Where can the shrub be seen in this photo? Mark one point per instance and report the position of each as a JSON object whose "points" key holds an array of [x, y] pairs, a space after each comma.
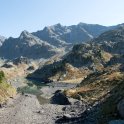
{"points": [[2, 76]]}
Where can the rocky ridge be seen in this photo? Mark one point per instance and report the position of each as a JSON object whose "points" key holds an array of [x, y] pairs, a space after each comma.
{"points": [[86, 58], [59, 35], [50, 41], [27, 45]]}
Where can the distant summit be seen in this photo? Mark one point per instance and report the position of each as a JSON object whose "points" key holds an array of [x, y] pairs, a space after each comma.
{"points": [[59, 35], [24, 34]]}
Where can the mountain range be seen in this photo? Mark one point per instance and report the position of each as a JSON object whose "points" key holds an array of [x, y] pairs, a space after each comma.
{"points": [[59, 35], [50, 41], [28, 46]]}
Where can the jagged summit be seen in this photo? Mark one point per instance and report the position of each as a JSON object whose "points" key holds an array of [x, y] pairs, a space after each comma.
{"points": [[24, 34], [56, 37], [57, 25], [59, 35]]}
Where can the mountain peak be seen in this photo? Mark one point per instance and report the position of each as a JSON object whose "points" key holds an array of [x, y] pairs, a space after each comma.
{"points": [[81, 23], [55, 26], [24, 34], [58, 25]]}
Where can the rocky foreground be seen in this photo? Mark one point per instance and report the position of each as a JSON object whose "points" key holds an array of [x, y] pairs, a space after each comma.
{"points": [[27, 109]]}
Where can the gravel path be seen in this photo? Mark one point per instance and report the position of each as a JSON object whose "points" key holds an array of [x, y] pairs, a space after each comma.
{"points": [[27, 110]]}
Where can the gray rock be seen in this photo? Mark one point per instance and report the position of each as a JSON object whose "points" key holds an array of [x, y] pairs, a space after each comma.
{"points": [[67, 116], [74, 101], [120, 108], [60, 98], [117, 122], [27, 45], [64, 108]]}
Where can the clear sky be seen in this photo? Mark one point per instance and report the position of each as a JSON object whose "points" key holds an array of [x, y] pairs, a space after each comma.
{"points": [[33, 15]]}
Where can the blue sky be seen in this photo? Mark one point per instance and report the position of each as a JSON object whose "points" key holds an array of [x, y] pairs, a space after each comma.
{"points": [[33, 15]]}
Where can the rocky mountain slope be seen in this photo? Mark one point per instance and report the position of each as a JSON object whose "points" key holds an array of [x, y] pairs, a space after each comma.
{"points": [[102, 91], [59, 35], [102, 86], [77, 64], [112, 41], [27, 45], [85, 58]]}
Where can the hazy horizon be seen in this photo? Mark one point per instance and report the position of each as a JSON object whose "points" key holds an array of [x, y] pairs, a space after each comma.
{"points": [[31, 15]]}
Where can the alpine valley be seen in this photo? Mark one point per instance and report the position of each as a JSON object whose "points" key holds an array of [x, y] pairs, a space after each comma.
{"points": [[64, 75]]}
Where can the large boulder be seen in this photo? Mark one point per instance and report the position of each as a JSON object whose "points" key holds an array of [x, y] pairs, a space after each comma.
{"points": [[120, 108], [117, 122], [60, 98]]}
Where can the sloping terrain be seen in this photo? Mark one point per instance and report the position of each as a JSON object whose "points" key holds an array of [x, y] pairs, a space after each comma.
{"points": [[27, 45], [112, 41], [6, 90], [82, 60], [59, 35], [85, 58], [104, 89]]}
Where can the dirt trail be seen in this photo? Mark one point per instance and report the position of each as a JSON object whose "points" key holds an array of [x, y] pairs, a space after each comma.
{"points": [[27, 110]]}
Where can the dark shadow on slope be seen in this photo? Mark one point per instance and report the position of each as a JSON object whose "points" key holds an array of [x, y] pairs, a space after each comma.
{"points": [[101, 113]]}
